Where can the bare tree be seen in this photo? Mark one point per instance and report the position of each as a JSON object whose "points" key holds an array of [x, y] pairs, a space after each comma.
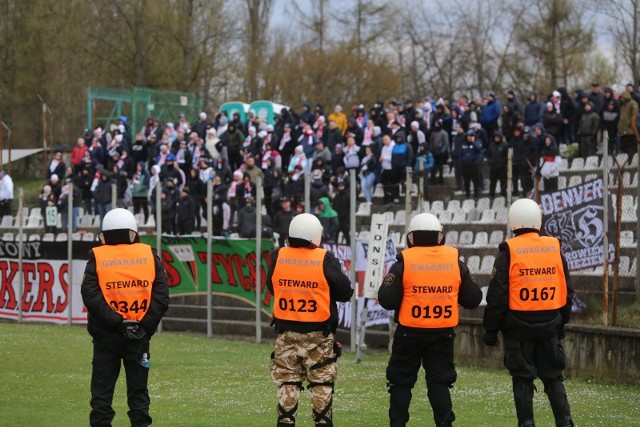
{"points": [[553, 33], [256, 29], [317, 20], [437, 61], [624, 27], [369, 20]]}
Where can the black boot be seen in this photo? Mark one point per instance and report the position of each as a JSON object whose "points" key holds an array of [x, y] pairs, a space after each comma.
{"points": [[523, 397], [567, 422], [440, 400], [400, 399], [557, 396]]}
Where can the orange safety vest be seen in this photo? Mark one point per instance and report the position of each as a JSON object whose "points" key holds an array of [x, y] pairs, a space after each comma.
{"points": [[126, 274], [431, 281], [301, 291], [536, 274]]}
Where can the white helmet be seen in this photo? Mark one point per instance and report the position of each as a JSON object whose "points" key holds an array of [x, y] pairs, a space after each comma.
{"points": [[306, 227], [525, 213], [119, 219], [424, 222]]}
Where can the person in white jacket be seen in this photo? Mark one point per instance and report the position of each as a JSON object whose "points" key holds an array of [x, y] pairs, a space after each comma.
{"points": [[549, 164], [6, 193]]}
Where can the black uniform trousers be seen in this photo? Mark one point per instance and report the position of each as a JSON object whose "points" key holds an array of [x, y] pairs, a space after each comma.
{"points": [[471, 174], [434, 350], [544, 359], [497, 174], [107, 354]]}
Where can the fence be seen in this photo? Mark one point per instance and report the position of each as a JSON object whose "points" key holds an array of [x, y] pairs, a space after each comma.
{"points": [[106, 105], [590, 211], [29, 225]]}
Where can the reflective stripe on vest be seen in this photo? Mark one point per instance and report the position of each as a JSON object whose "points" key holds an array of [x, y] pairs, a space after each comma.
{"points": [[301, 291], [431, 282], [126, 274], [536, 275]]}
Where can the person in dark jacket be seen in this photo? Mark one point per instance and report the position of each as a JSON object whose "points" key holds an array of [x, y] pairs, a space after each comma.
{"points": [[198, 192], [186, 213], [221, 215], [597, 98], [234, 145], [568, 110], [490, 115], [247, 219], [63, 205], [306, 320], [470, 155], [168, 210], [122, 320], [552, 121], [513, 103], [524, 160], [318, 188], [342, 205], [200, 126], [140, 190], [497, 159], [459, 138], [84, 181], [426, 317], [510, 120], [120, 178], [588, 131], [247, 190], [102, 194], [530, 309], [439, 148], [610, 119], [57, 166], [307, 115], [282, 220], [140, 149], [534, 110]]}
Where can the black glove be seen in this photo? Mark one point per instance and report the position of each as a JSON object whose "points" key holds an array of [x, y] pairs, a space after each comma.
{"points": [[133, 330], [490, 339]]}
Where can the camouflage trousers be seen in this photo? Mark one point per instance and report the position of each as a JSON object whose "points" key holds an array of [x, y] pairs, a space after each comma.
{"points": [[299, 357]]}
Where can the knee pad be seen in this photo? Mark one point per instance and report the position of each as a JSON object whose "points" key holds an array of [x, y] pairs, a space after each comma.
{"points": [[290, 414], [323, 417], [554, 385]]}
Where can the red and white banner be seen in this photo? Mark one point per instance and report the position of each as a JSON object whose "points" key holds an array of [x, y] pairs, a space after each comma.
{"points": [[376, 315], [46, 291]]}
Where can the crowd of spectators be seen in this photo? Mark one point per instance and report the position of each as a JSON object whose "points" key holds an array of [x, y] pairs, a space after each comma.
{"points": [[379, 142]]}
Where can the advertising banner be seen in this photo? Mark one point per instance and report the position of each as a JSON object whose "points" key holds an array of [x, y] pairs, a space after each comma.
{"points": [[46, 278], [233, 265], [376, 315], [575, 216]]}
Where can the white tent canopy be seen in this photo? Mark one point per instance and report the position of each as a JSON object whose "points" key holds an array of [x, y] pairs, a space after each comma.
{"points": [[17, 154]]}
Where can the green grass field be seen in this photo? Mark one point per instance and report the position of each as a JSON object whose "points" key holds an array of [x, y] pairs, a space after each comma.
{"points": [[194, 381]]}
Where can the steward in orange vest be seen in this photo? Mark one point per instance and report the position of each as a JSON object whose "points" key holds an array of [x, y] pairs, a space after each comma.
{"points": [[425, 287], [529, 301], [306, 282], [126, 294]]}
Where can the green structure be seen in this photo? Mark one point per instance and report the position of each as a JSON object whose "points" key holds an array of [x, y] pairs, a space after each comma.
{"points": [[235, 107], [107, 105], [266, 110]]}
